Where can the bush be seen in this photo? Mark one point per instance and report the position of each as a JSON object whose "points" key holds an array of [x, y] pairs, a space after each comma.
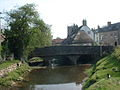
{"points": [[36, 59], [116, 53], [88, 83], [14, 76]]}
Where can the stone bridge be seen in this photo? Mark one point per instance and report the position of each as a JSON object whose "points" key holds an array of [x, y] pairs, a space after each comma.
{"points": [[72, 52]]}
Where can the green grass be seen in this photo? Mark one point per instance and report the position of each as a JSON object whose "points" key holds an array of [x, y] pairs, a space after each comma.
{"points": [[36, 59], [8, 63], [14, 75], [106, 84], [98, 80]]}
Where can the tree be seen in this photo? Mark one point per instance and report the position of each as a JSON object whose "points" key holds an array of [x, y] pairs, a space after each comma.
{"points": [[26, 31]]}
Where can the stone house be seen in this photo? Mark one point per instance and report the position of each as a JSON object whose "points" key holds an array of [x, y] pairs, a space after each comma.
{"points": [[108, 35]]}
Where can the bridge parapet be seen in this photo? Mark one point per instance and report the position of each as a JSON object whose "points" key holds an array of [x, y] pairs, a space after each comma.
{"points": [[71, 50]]}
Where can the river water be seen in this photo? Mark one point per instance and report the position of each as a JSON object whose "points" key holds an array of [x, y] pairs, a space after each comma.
{"points": [[57, 78]]}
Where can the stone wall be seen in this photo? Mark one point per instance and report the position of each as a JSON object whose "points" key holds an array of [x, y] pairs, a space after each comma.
{"points": [[5, 71], [70, 50], [109, 38]]}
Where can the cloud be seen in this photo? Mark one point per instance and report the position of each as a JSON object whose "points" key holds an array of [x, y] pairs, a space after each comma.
{"points": [[60, 13]]}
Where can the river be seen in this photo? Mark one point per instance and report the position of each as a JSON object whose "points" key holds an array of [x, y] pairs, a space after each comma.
{"points": [[57, 78]]}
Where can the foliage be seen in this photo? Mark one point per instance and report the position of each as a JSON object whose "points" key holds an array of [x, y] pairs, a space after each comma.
{"points": [[98, 79], [14, 75], [0, 48], [26, 31], [5, 50], [106, 84], [116, 53], [7, 63], [36, 59]]}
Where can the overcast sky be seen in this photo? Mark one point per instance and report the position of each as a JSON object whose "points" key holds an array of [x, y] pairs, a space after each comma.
{"points": [[61, 13]]}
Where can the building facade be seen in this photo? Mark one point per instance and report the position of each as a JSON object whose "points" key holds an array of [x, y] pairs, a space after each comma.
{"points": [[108, 35]]}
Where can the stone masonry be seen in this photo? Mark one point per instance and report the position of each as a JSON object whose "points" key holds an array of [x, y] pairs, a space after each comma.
{"points": [[5, 71]]}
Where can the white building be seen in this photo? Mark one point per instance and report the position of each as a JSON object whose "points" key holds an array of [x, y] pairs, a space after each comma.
{"points": [[82, 35]]}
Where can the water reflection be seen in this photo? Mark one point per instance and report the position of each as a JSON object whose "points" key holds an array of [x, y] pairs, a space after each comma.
{"points": [[69, 86], [57, 75], [59, 78]]}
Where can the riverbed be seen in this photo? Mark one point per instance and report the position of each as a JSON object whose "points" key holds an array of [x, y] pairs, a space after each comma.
{"points": [[53, 78]]}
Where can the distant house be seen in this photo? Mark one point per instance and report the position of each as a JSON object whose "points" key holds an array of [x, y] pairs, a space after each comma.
{"points": [[57, 41], [82, 35], [108, 35]]}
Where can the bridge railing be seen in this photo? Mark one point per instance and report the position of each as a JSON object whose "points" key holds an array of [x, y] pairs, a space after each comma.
{"points": [[71, 50]]}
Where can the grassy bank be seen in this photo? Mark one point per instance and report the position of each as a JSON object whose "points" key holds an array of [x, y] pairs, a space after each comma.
{"points": [[6, 64], [36, 59], [105, 74], [15, 75]]}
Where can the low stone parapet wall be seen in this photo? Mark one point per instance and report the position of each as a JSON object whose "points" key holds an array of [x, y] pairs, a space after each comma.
{"points": [[5, 71], [71, 50]]}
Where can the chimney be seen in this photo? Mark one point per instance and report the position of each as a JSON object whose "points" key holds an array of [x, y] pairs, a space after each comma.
{"points": [[108, 23], [84, 22], [98, 27]]}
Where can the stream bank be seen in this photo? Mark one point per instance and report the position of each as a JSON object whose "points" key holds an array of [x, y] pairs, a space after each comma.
{"points": [[12, 72], [48, 78], [104, 75]]}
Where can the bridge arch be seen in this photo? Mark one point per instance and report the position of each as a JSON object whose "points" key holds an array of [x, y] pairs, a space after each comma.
{"points": [[72, 54], [86, 59], [59, 60]]}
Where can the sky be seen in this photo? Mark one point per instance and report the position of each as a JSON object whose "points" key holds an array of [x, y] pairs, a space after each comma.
{"points": [[63, 13]]}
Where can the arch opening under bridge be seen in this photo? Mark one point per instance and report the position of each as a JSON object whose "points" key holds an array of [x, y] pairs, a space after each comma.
{"points": [[72, 54]]}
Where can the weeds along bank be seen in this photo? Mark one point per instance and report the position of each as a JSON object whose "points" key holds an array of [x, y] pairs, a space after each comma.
{"points": [[105, 74], [12, 71]]}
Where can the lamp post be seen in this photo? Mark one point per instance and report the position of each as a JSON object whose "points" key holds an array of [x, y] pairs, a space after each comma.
{"points": [[101, 43], [101, 49], [94, 35]]}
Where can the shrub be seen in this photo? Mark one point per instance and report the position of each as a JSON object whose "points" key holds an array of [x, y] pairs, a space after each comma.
{"points": [[116, 53], [88, 83]]}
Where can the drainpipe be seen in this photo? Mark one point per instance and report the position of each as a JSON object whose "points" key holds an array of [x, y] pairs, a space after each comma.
{"points": [[100, 49]]}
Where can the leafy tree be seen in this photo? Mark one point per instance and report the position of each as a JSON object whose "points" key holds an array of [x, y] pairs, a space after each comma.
{"points": [[26, 31]]}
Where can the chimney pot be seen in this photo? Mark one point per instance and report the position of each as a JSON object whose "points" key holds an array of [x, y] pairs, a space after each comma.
{"points": [[108, 23], [98, 27], [84, 22]]}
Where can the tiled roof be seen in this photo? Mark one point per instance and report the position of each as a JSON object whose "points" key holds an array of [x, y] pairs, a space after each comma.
{"points": [[57, 41], [112, 27], [83, 37]]}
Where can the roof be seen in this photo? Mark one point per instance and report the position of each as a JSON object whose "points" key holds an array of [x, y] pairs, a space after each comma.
{"points": [[57, 41], [70, 38], [82, 37], [111, 27], [78, 38]]}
